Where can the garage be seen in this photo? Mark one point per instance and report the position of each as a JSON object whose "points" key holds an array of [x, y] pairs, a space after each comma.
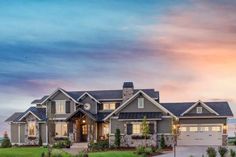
{"points": [[207, 134]]}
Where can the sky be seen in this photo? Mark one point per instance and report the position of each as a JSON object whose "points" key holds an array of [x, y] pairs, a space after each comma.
{"points": [[184, 49]]}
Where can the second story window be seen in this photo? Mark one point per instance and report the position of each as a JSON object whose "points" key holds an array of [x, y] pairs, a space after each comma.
{"points": [[109, 106], [60, 106], [140, 102]]}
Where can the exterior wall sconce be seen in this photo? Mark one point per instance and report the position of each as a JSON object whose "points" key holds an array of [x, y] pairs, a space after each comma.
{"points": [[83, 121]]}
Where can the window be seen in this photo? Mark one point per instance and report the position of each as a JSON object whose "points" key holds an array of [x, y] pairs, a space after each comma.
{"points": [[192, 129], [136, 128], [140, 102], [216, 128], [60, 106], [183, 129], [199, 110], [31, 129], [109, 106], [61, 129], [84, 129], [204, 128], [105, 129]]}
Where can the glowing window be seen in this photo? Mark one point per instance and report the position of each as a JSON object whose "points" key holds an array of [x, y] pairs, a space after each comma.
{"points": [[109, 106], [61, 129], [136, 128], [192, 128], [31, 129], [183, 129], [216, 128], [204, 128]]}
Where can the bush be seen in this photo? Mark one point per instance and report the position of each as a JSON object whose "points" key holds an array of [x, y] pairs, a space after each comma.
{"points": [[140, 150], [148, 150], [222, 151], [234, 142], [144, 151], [211, 152], [117, 138], [6, 141], [56, 153], [162, 143], [232, 153], [81, 154], [100, 145], [40, 141], [62, 144]]}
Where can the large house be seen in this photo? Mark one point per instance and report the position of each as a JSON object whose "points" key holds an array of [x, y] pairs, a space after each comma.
{"points": [[85, 116]]}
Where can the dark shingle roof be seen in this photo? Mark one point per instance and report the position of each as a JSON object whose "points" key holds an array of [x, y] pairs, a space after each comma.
{"points": [[139, 115], [39, 112], [103, 94], [14, 117], [101, 115], [38, 101], [222, 108]]}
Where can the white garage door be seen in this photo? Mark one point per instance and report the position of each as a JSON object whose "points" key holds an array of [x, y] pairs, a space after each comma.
{"points": [[200, 135]]}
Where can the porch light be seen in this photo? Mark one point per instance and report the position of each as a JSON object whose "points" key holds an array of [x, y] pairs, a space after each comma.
{"points": [[83, 121], [225, 127]]}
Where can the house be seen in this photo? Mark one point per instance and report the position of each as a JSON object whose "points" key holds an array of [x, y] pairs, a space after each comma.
{"points": [[84, 116]]}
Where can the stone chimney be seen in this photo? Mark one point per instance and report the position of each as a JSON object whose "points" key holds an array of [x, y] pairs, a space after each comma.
{"points": [[128, 90]]}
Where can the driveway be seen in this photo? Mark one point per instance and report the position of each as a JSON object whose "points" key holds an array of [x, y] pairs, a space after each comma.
{"points": [[195, 151]]}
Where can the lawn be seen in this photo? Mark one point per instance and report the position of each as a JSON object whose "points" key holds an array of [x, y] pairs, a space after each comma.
{"points": [[37, 151]]}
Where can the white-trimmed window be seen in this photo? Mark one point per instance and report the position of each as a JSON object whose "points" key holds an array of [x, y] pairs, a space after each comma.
{"points": [[193, 129], [109, 106], [204, 128], [140, 102], [60, 106], [215, 128], [136, 128], [31, 129], [61, 129], [183, 129], [199, 110]]}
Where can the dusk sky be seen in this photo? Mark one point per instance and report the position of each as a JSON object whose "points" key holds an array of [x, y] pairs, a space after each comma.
{"points": [[184, 49]]}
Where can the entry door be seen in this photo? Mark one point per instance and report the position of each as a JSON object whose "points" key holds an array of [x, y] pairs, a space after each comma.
{"points": [[84, 133]]}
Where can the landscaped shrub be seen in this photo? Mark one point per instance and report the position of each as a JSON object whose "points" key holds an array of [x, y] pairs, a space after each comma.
{"points": [[148, 150], [232, 153], [81, 154], [62, 144], [117, 138], [100, 145], [162, 143], [211, 152], [222, 151], [144, 151], [56, 153], [140, 150], [6, 141]]}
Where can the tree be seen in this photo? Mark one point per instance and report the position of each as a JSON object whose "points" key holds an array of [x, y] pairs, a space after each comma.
{"points": [[162, 142], [145, 129], [6, 141], [117, 138]]}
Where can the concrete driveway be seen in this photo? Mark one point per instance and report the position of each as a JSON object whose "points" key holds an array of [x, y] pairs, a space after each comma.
{"points": [[195, 151]]}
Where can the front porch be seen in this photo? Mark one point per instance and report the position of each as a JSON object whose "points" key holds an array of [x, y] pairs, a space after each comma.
{"points": [[84, 128]]}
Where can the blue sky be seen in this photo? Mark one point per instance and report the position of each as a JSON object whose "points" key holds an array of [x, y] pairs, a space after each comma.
{"points": [[184, 49]]}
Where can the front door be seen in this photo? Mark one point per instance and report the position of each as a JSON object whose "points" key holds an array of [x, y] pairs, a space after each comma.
{"points": [[84, 133]]}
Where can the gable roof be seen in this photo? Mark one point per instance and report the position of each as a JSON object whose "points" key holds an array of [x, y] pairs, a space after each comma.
{"points": [[14, 117], [86, 93], [101, 94], [133, 97], [84, 112], [39, 113], [201, 103], [222, 108]]}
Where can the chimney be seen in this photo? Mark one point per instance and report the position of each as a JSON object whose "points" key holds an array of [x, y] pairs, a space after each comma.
{"points": [[128, 90]]}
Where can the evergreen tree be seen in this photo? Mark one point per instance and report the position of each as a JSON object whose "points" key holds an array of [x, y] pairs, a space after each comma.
{"points": [[117, 138]]}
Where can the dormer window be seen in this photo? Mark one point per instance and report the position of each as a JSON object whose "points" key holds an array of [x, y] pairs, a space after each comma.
{"points": [[109, 106], [199, 110]]}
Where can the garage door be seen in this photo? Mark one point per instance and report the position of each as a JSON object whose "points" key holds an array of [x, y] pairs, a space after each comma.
{"points": [[200, 135]]}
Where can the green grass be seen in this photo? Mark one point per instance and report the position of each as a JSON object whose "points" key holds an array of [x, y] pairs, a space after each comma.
{"points": [[113, 154], [37, 151], [22, 152]]}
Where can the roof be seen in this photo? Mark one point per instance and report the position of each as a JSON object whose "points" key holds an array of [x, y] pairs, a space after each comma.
{"points": [[222, 108], [14, 116], [101, 115], [80, 110], [39, 112], [136, 115], [38, 101], [103, 94]]}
